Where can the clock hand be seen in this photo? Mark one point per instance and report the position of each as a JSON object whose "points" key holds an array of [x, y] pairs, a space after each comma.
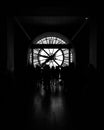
{"points": [[56, 62], [45, 52], [55, 53], [47, 60], [50, 58], [43, 56]]}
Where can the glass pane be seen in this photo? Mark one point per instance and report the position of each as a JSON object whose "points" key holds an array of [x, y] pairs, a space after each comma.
{"points": [[51, 40]]}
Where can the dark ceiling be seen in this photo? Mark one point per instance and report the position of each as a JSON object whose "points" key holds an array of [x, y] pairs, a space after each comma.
{"points": [[40, 24], [50, 20], [55, 16]]}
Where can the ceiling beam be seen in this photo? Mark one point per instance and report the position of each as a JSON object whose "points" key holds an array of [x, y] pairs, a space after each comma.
{"points": [[79, 30], [22, 28]]}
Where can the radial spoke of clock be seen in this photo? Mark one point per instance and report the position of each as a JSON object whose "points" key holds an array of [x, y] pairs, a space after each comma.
{"points": [[46, 41], [56, 62], [43, 56], [46, 61], [55, 40], [49, 51], [56, 51], [49, 41], [61, 55], [59, 42], [58, 59], [52, 40], [52, 51], [46, 52], [42, 42], [58, 55], [42, 60], [52, 62]]}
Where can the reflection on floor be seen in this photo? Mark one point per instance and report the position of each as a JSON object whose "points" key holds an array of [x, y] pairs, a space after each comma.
{"points": [[49, 108], [49, 104], [52, 106], [51, 84]]}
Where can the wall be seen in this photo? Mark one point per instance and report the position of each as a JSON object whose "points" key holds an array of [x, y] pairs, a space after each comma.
{"points": [[93, 42], [3, 52], [10, 45]]}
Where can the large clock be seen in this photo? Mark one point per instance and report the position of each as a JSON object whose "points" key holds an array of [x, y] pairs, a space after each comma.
{"points": [[51, 56]]}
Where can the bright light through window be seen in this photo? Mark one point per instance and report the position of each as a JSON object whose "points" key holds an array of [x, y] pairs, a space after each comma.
{"points": [[51, 40], [50, 56], [57, 60]]}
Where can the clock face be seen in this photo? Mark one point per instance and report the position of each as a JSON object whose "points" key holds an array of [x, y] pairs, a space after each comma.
{"points": [[52, 57]]}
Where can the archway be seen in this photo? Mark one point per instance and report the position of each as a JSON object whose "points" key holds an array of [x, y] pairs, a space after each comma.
{"points": [[50, 56], [51, 49]]}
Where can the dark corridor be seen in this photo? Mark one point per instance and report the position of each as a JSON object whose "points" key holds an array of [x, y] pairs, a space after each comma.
{"points": [[45, 98]]}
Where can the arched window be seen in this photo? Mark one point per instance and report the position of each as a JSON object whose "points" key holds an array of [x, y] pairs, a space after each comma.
{"points": [[51, 40], [54, 53]]}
